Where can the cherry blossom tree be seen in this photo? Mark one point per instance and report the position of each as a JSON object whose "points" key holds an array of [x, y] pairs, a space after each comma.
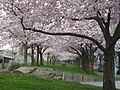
{"points": [[72, 18], [105, 19], [86, 56]]}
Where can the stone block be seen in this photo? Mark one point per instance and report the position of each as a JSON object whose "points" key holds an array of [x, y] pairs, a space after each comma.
{"points": [[67, 76]]}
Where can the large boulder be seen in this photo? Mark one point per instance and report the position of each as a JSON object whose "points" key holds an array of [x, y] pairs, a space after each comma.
{"points": [[67, 76], [44, 72], [77, 77], [13, 65], [25, 70]]}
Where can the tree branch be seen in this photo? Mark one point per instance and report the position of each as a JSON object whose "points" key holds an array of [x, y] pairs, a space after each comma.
{"points": [[103, 25], [45, 48], [77, 52], [100, 21], [76, 19], [19, 10], [108, 18], [63, 34]]}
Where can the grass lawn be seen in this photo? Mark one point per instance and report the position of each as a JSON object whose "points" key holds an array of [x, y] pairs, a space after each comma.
{"points": [[26, 82], [68, 68]]}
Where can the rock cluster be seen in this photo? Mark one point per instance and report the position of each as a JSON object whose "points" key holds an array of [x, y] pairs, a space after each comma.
{"points": [[50, 73]]}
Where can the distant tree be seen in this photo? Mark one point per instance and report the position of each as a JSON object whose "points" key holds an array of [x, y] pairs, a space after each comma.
{"points": [[86, 56], [33, 61], [41, 51]]}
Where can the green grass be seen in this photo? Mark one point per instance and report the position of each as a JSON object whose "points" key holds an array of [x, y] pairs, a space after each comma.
{"points": [[68, 68], [25, 82]]}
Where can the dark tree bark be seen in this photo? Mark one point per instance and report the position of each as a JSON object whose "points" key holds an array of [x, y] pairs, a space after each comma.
{"points": [[32, 56], [109, 72], [42, 49], [53, 59], [48, 56], [78, 61], [38, 55], [41, 55], [87, 59], [3, 61], [50, 62], [41, 58], [25, 53]]}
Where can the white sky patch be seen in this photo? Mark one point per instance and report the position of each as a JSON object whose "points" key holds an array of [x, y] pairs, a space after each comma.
{"points": [[6, 47]]}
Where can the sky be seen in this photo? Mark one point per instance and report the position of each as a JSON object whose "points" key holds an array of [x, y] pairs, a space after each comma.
{"points": [[7, 47]]}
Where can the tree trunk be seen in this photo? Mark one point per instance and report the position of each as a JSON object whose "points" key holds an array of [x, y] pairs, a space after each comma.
{"points": [[109, 70], [41, 58], [50, 62], [78, 61], [3, 61], [32, 56], [53, 62], [25, 54], [37, 55], [90, 66], [47, 62], [83, 65], [100, 68], [48, 57]]}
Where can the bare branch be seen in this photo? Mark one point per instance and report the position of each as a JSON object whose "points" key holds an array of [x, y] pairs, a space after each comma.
{"points": [[91, 18], [13, 10], [12, 33], [108, 19], [19, 10], [76, 19], [45, 48], [77, 52]]}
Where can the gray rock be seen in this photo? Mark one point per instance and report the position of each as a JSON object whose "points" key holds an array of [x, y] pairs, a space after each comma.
{"points": [[25, 70], [44, 72], [13, 65], [67, 76], [57, 73], [82, 78], [58, 77], [50, 73], [77, 78]]}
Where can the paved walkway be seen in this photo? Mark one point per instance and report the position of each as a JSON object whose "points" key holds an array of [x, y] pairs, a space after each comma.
{"points": [[101, 84]]}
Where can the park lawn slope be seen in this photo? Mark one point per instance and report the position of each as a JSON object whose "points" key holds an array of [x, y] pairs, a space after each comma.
{"points": [[26, 82]]}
